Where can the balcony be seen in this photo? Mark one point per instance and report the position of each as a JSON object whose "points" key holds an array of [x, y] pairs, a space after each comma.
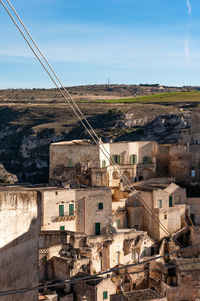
{"points": [[64, 218]]}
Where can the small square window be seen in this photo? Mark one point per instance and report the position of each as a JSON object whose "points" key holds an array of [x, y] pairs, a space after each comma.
{"points": [[105, 295], [159, 203], [69, 163], [62, 228], [100, 205]]}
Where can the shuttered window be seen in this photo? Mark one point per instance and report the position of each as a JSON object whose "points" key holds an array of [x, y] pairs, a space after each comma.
{"points": [[104, 163], [133, 159], [100, 206], [146, 159], [61, 210], [170, 201], [97, 228], [69, 163], [116, 159], [105, 295], [71, 209]]}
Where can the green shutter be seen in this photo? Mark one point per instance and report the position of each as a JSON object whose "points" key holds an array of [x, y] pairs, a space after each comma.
{"points": [[116, 159], [100, 206], [61, 210], [71, 209], [97, 228], [105, 295], [62, 228], [69, 163], [104, 163], [170, 201], [133, 159], [118, 223], [146, 159]]}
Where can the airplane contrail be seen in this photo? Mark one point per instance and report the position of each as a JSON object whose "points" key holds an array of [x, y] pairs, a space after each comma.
{"points": [[187, 40], [189, 6]]}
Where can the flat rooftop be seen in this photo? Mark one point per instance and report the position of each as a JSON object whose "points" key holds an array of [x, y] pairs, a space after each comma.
{"points": [[74, 142], [90, 142], [47, 188], [151, 187]]}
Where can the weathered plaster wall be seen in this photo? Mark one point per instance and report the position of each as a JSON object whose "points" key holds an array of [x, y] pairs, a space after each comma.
{"points": [[51, 199], [19, 237], [88, 211]]}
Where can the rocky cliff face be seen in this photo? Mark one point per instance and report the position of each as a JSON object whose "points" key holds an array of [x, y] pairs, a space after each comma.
{"points": [[163, 128], [7, 177], [26, 133]]}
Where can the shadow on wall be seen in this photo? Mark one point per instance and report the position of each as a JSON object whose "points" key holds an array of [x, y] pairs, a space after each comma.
{"points": [[19, 263]]}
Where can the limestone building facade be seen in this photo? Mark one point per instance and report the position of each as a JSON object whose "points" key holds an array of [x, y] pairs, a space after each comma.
{"points": [[82, 162], [167, 201], [87, 210]]}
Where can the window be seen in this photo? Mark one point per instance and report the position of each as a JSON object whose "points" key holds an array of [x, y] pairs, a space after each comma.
{"points": [[100, 206], [62, 228], [193, 173], [69, 163], [133, 159], [105, 295], [61, 210], [71, 209], [104, 163], [165, 216], [170, 201], [118, 223], [97, 228], [116, 159], [159, 203], [146, 159]]}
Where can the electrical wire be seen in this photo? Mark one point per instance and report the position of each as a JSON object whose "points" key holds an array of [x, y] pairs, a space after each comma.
{"points": [[83, 121], [91, 277]]}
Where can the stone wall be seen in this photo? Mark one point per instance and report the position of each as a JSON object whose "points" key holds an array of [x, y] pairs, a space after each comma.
{"points": [[19, 240]]}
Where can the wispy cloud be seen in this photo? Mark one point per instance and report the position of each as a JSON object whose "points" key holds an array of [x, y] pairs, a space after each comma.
{"points": [[187, 40], [189, 6]]}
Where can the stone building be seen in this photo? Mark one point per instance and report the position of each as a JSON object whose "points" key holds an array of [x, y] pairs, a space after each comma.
{"points": [[94, 290], [181, 280], [167, 201], [64, 253], [82, 162], [19, 241], [87, 210], [182, 160], [139, 295]]}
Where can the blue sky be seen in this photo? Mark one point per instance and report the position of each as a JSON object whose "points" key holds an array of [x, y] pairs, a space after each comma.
{"points": [[89, 41]]}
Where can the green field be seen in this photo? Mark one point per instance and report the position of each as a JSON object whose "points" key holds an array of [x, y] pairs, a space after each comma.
{"points": [[158, 98]]}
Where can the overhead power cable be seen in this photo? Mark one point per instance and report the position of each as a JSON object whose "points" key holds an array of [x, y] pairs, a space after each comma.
{"points": [[89, 129], [92, 277]]}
